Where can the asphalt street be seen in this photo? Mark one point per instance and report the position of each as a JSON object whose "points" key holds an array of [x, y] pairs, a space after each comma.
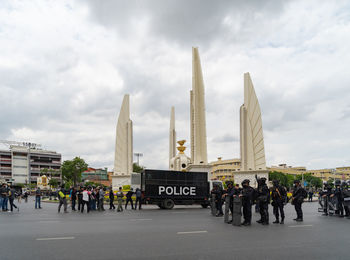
{"points": [[186, 232]]}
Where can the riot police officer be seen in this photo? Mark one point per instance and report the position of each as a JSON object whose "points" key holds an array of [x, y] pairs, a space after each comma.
{"points": [[297, 199], [338, 193], [217, 191], [326, 195], [278, 194], [263, 199], [247, 202]]}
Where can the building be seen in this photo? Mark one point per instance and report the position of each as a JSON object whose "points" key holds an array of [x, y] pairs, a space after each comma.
{"points": [[99, 175], [225, 169], [284, 168], [23, 165]]}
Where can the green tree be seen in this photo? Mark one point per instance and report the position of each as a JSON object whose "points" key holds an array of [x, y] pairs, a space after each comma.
{"points": [[137, 168], [72, 169], [53, 182]]}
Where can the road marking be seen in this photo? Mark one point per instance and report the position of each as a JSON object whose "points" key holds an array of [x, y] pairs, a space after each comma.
{"points": [[55, 238], [301, 226], [140, 219], [192, 232]]}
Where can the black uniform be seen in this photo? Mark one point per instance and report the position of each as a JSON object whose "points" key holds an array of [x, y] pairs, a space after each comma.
{"points": [[278, 195], [263, 199], [111, 199], [298, 199], [80, 198], [74, 198], [338, 193], [129, 199], [247, 202]]}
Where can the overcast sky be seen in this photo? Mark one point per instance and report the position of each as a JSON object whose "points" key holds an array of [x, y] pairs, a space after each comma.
{"points": [[65, 66]]}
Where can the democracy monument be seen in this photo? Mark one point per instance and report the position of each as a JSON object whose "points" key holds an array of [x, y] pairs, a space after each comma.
{"points": [[252, 150]]}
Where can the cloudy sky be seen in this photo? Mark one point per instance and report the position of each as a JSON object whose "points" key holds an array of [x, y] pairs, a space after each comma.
{"points": [[65, 66]]}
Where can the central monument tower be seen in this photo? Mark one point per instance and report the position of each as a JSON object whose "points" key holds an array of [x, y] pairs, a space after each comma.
{"points": [[197, 110]]}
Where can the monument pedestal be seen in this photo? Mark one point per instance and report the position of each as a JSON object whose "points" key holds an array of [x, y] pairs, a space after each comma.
{"points": [[240, 176], [120, 180], [200, 168]]}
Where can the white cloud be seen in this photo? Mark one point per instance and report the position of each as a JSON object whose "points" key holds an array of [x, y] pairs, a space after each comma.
{"points": [[65, 65]]}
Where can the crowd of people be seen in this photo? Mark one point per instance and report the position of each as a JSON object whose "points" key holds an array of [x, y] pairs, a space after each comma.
{"points": [[277, 195], [93, 199]]}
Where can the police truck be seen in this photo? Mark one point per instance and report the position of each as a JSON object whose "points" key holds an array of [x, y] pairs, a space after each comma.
{"points": [[169, 188]]}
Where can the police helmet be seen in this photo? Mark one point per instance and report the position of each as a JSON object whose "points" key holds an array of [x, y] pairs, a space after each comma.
{"points": [[296, 181], [246, 181], [275, 182], [263, 179], [337, 182]]}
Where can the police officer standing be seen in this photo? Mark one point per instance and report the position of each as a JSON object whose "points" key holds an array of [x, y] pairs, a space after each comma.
{"points": [[326, 195], [338, 193], [278, 194], [247, 202], [297, 200], [218, 200], [263, 194]]}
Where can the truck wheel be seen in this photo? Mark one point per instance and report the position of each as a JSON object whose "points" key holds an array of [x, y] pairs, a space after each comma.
{"points": [[168, 204], [204, 206]]}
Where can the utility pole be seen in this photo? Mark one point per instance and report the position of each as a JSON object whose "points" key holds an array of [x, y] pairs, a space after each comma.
{"points": [[138, 155]]}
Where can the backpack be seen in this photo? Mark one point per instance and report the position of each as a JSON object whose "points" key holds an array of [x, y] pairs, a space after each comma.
{"points": [[304, 193]]}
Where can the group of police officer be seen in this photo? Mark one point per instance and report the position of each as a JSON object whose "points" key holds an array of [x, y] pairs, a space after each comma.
{"points": [[261, 196], [336, 201]]}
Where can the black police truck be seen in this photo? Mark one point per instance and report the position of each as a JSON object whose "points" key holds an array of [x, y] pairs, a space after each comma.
{"points": [[169, 188]]}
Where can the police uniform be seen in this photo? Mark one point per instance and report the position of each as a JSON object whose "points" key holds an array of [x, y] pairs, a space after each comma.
{"points": [[298, 199], [247, 202], [263, 194], [278, 194]]}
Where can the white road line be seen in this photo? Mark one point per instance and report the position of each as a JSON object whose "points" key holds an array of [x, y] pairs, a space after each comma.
{"points": [[301, 226], [55, 238], [140, 219], [192, 232]]}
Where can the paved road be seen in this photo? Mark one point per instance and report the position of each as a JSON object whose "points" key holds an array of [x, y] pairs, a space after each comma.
{"points": [[186, 232]]}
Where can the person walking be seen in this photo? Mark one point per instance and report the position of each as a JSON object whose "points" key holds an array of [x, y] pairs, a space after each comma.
{"points": [[138, 194], [101, 197], [311, 194], [85, 200], [297, 200], [111, 198], [129, 199], [12, 194], [38, 198], [63, 200], [120, 196]]}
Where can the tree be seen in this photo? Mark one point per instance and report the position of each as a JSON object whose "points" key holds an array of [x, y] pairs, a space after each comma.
{"points": [[72, 169], [137, 168], [53, 183]]}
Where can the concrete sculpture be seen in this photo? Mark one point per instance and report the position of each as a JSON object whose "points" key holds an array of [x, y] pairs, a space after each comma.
{"points": [[251, 131], [197, 110], [172, 136], [123, 161]]}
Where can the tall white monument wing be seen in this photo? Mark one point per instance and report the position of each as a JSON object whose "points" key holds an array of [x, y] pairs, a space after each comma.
{"points": [[252, 139], [197, 110], [124, 141], [172, 136]]}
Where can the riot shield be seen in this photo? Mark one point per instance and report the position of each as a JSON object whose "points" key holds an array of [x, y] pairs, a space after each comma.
{"points": [[227, 209], [237, 212], [212, 205]]}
